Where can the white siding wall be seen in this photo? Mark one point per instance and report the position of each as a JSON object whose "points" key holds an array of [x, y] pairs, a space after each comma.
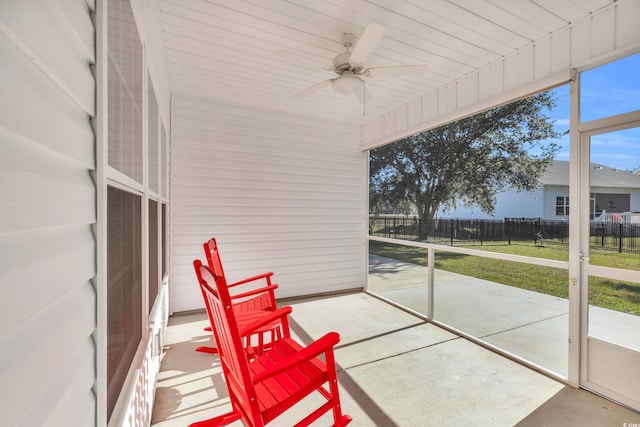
{"points": [[552, 191], [550, 194], [280, 193], [510, 204], [610, 33], [635, 200], [47, 208]]}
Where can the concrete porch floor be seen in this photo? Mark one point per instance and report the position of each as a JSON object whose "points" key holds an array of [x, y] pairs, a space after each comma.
{"points": [[394, 370]]}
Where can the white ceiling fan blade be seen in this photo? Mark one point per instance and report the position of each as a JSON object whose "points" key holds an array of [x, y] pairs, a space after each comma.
{"points": [[363, 95], [398, 71], [313, 88], [368, 40]]}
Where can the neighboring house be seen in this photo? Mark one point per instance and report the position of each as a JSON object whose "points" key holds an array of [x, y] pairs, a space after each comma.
{"points": [[613, 191]]}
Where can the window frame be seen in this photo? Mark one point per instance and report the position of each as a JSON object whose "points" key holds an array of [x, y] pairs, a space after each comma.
{"points": [[562, 203], [107, 176]]}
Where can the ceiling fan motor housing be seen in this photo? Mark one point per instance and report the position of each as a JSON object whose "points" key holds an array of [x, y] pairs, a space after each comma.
{"points": [[341, 64]]}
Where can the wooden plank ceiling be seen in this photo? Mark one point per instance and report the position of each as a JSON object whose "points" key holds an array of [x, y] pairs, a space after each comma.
{"points": [[226, 49]]}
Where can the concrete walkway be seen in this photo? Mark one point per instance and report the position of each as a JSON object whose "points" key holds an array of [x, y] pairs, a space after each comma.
{"points": [[528, 324]]}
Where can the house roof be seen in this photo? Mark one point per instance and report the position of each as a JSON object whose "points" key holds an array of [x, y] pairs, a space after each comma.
{"points": [[601, 176]]}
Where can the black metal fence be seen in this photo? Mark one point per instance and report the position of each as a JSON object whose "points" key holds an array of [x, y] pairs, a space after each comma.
{"points": [[606, 236]]}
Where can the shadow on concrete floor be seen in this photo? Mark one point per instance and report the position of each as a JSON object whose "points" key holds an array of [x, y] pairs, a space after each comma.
{"points": [[569, 405]]}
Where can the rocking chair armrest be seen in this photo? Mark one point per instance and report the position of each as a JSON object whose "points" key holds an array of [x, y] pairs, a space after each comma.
{"points": [[269, 317], [324, 344], [255, 292], [266, 276]]}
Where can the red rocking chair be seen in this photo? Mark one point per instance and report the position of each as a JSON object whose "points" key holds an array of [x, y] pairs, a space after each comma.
{"points": [[273, 382], [276, 328], [247, 303]]}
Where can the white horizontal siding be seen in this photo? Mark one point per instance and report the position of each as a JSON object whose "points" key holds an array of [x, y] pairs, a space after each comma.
{"points": [[40, 111], [509, 204], [279, 192], [548, 200], [47, 209], [605, 35], [43, 188], [56, 40]]}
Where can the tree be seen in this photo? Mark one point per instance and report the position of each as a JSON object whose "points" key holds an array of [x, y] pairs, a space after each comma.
{"points": [[468, 161]]}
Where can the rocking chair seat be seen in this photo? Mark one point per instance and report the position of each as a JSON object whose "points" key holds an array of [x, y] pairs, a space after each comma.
{"points": [[277, 393], [247, 314]]}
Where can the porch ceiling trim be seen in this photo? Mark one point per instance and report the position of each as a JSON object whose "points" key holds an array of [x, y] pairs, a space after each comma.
{"points": [[541, 65], [405, 121]]}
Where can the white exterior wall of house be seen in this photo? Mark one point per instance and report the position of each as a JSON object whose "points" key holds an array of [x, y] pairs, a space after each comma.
{"points": [[280, 193], [52, 340], [47, 214], [549, 201], [511, 204], [540, 203], [635, 200], [553, 191]]}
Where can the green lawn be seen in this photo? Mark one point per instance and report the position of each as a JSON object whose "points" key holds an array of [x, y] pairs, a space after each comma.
{"points": [[620, 296]]}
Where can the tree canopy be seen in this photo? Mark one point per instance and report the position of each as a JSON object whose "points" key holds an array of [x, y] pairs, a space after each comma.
{"points": [[468, 161]]}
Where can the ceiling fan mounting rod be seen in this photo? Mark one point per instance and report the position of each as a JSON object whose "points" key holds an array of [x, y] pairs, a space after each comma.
{"points": [[347, 40]]}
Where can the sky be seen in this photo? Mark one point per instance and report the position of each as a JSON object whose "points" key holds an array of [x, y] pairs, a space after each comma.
{"points": [[607, 90]]}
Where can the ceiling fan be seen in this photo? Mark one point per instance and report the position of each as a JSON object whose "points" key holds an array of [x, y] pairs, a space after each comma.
{"points": [[349, 65]]}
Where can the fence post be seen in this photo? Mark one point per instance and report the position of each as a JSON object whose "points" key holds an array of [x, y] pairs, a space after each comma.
{"points": [[451, 231], [620, 241]]}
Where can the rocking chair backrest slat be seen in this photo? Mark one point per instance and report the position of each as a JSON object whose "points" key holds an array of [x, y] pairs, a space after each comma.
{"points": [[266, 300], [228, 339], [213, 256]]}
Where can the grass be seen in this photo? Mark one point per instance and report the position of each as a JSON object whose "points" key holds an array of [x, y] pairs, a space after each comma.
{"points": [[614, 295]]}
